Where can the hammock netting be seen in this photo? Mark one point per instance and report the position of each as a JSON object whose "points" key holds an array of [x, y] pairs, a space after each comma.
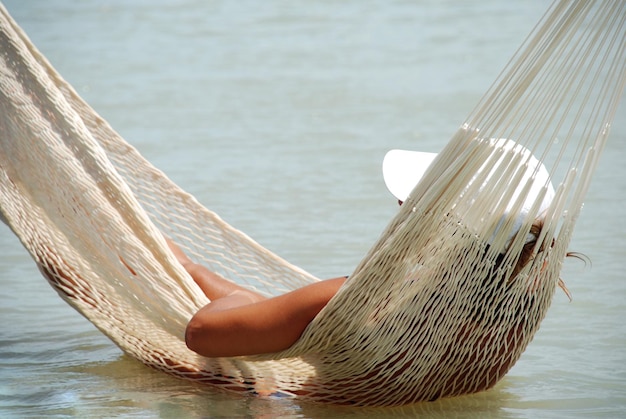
{"points": [[437, 306]]}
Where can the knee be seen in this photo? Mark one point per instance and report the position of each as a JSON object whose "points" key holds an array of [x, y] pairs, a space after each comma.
{"points": [[195, 333]]}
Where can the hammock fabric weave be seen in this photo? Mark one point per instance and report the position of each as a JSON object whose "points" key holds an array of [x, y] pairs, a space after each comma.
{"points": [[436, 308]]}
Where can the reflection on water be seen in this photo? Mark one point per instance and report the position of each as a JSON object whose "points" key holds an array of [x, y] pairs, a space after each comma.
{"points": [[277, 116]]}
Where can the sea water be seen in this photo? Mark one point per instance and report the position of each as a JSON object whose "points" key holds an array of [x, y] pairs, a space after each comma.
{"points": [[277, 115]]}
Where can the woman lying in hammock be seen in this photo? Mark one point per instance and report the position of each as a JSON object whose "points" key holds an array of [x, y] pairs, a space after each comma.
{"points": [[239, 321]]}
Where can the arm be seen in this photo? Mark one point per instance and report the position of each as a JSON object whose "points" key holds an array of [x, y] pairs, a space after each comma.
{"points": [[235, 325]]}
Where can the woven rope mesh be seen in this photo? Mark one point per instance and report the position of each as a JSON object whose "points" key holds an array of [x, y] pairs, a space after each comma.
{"points": [[439, 306]]}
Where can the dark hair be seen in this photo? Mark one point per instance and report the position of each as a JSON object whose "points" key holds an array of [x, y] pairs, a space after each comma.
{"points": [[527, 253]]}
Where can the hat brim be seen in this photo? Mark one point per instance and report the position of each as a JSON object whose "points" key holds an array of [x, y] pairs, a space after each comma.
{"points": [[403, 169]]}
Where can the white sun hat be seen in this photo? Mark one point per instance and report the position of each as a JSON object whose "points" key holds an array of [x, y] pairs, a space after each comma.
{"points": [[403, 169]]}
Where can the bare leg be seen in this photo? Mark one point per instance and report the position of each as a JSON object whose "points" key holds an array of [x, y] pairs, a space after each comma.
{"points": [[214, 286]]}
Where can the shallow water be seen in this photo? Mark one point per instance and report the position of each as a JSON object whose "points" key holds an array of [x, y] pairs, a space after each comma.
{"points": [[277, 116]]}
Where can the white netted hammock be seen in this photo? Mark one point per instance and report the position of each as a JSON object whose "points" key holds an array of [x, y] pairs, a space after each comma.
{"points": [[431, 311]]}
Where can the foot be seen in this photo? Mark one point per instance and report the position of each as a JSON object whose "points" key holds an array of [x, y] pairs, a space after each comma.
{"points": [[182, 258]]}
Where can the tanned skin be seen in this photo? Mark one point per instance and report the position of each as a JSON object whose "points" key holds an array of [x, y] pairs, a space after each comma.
{"points": [[239, 321]]}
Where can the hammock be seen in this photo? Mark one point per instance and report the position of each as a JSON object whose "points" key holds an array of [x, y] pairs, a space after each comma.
{"points": [[435, 308]]}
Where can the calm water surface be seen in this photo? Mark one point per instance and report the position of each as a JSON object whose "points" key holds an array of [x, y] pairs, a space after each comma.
{"points": [[277, 115]]}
